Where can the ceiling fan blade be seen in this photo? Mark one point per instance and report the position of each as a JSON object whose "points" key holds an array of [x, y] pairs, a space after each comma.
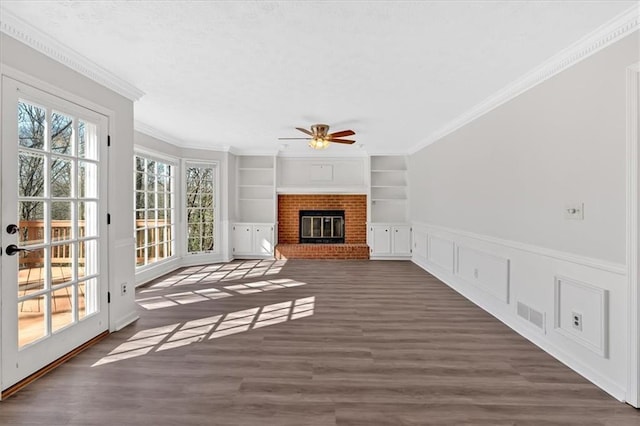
{"points": [[304, 131], [342, 141], [341, 133], [294, 139]]}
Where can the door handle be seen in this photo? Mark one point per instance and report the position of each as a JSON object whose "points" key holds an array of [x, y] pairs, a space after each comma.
{"points": [[12, 249], [12, 229]]}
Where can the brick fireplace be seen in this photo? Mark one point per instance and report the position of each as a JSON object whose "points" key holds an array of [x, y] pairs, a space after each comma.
{"points": [[355, 226]]}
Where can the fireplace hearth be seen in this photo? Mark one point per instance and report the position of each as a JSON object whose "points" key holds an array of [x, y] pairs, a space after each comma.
{"points": [[321, 227]]}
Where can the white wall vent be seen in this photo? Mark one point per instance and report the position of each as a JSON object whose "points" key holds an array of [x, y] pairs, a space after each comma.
{"points": [[534, 317]]}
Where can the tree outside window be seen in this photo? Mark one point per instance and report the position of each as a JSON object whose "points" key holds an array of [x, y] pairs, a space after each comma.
{"points": [[200, 208]]}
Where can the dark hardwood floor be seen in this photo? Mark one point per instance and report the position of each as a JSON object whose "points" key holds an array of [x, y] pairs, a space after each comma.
{"points": [[312, 343]]}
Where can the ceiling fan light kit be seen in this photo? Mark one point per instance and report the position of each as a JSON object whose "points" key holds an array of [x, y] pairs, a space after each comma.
{"points": [[320, 136], [318, 143]]}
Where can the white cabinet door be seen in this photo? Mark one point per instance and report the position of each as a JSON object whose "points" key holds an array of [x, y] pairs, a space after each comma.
{"points": [[263, 239], [242, 239], [380, 239], [401, 236]]}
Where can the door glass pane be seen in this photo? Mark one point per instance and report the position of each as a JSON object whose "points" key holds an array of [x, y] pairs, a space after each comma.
{"points": [[60, 177], [61, 263], [88, 298], [61, 307], [31, 181], [87, 180], [31, 272], [88, 218], [61, 134], [87, 140], [31, 222], [88, 258], [61, 229], [31, 128], [31, 321]]}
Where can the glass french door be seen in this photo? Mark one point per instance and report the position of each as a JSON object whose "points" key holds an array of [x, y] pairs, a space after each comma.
{"points": [[53, 231]]}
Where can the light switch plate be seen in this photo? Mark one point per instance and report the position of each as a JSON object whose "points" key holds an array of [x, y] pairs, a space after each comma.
{"points": [[574, 211]]}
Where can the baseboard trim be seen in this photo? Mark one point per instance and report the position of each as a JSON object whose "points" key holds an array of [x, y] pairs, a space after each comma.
{"points": [[49, 367], [129, 319], [398, 257]]}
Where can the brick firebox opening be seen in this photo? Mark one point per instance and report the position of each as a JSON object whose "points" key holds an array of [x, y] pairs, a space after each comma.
{"points": [[355, 215]]}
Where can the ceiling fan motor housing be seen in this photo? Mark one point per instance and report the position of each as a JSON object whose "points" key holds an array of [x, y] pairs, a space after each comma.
{"points": [[320, 130]]}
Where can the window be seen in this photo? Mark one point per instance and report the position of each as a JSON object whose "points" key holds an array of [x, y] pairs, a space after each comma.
{"points": [[154, 210], [200, 207]]}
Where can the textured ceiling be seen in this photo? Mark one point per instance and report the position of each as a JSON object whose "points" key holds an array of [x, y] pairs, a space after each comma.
{"points": [[242, 74]]}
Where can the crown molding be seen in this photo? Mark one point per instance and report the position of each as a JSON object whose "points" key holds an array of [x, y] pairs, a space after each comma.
{"points": [[165, 137], [605, 35], [24, 32], [253, 151]]}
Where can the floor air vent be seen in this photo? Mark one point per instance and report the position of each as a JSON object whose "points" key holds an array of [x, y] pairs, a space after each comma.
{"points": [[534, 317]]}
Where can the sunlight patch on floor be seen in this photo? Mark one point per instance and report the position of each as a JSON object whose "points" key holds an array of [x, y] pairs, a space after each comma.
{"points": [[204, 295], [218, 273], [182, 334]]}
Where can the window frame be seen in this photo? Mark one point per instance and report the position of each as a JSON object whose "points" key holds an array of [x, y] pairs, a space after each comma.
{"points": [[215, 165], [174, 184]]}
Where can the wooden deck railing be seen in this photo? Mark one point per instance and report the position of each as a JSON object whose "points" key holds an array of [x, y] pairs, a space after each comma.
{"points": [[32, 232]]}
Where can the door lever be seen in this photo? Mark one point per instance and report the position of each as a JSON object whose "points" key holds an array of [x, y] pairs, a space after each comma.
{"points": [[12, 249]]}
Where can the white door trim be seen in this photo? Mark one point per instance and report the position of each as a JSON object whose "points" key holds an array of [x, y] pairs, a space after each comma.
{"points": [[633, 234]]}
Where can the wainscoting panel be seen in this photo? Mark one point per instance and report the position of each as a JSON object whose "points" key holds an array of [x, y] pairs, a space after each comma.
{"points": [[581, 313], [420, 244], [441, 252], [491, 273]]}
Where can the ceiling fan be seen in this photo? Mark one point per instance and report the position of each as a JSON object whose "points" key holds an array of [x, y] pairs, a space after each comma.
{"points": [[320, 136]]}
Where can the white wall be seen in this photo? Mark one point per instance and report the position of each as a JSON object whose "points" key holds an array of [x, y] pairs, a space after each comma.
{"points": [[309, 175], [488, 200], [59, 78]]}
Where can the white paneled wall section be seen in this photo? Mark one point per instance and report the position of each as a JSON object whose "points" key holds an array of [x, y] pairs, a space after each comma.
{"points": [[523, 285]]}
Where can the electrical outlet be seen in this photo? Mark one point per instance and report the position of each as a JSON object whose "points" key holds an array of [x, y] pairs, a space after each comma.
{"points": [[123, 289], [576, 321]]}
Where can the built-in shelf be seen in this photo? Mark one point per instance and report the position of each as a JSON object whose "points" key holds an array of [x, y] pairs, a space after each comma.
{"points": [[256, 188], [388, 189]]}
